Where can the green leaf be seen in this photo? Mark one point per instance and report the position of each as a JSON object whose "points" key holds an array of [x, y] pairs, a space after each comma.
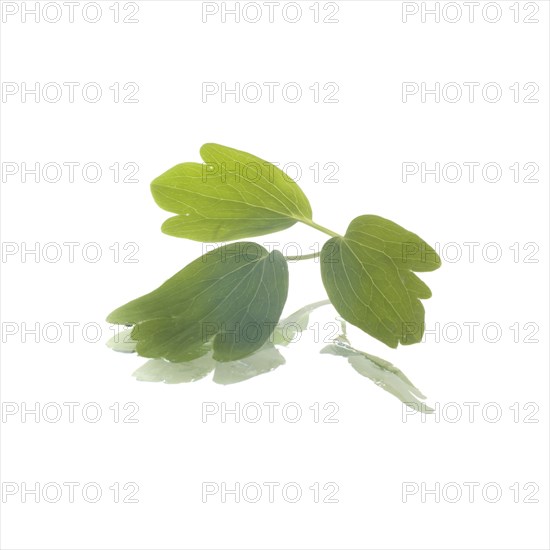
{"points": [[235, 195], [368, 275], [381, 372], [230, 298]]}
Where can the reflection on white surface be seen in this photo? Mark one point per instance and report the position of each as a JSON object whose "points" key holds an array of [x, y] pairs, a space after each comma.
{"points": [[268, 358], [159, 370], [381, 372]]}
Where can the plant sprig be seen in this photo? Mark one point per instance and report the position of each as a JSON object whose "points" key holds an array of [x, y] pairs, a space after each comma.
{"points": [[230, 300]]}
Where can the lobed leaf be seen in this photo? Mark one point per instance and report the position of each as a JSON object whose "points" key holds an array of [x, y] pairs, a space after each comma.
{"points": [[368, 276], [234, 195], [228, 300]]}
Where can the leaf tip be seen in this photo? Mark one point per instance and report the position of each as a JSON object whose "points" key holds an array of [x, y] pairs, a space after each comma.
{"points": [[206, 148]]}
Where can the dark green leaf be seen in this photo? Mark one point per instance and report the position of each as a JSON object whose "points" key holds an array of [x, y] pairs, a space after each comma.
{"points": [[234, 195], [231, 298], [368, 275]]}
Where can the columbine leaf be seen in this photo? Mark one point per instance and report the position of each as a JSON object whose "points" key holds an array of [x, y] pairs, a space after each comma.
{"points": [[230, 298], [381, 372], [234, 195], [368, 275]]}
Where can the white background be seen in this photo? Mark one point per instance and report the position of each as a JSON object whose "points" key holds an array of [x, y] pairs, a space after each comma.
{"points": [[374, 447]]}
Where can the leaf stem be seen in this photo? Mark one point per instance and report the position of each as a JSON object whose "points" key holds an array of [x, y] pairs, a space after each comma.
{"points": [[311, 223]]}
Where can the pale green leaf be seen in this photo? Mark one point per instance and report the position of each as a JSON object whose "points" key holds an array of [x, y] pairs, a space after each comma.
{"points": [[234, 195], [368, 276], [231, 297]]}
